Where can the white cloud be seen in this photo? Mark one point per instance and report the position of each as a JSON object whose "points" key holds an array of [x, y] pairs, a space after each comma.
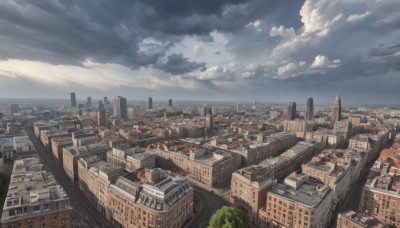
{"points": [[215, 73], [256, 25], [93, 75], [291, 69], [285, 33], [198, 50], [358, 17], [322, 61]]}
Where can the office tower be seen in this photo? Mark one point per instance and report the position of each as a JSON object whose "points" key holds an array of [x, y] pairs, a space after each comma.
{"points": [[89, 102], [239, 107], [203, 110], [292, 110], [150, 103], [80, 113], [131, 112], [209, 122], [100, 105], [101, 118], [14, 108], [105, 100], [73, 100], [170, 102], [310, 109], [336, 110], [214, 111], [120, 107]]}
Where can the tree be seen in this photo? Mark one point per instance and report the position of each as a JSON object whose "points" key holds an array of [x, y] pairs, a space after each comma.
{"points": [[229, 217]]}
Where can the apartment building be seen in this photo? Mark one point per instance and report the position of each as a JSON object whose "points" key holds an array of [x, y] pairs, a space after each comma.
{"points": [[291, 160], [95, 177], [58, 144], [355, 220], [249, 187], [34, 198], [381, 198], [71, 155], [152, 198], [132, 159], [297, 203], [207, 166]]}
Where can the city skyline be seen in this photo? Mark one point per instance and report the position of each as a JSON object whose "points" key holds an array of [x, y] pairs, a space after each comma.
{"points": [[242, 50]]}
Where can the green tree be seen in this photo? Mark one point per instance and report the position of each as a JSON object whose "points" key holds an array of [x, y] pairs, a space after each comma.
{"points": [[229, 217]]}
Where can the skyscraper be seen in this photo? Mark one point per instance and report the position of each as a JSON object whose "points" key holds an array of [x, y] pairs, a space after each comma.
{"points": [[292, 110], [105, 100], [100, 105], [336, 110], [310, 109], [89, 102], [120, 107], [209, 122], [14, 108], [170, 102], [73, 100], [101, 118], [150, 103]]}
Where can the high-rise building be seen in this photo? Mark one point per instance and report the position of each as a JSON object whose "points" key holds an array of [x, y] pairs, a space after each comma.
{"points": [[209, 122], [336, 110], [214, 111], [120, 107], [101, 118], [14, 108], [105, 100], [310, 109], [170, 102], [89, 102], [239, 107], [73, 100], [150, 103], [292, 110], [100, 105]]}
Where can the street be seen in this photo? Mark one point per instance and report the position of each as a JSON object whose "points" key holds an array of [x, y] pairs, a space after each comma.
{"points": [[84, 213], [212, 203]]}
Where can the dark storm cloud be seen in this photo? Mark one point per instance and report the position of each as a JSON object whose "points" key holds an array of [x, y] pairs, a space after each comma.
{"points": [[178, 64], [69, 32]]}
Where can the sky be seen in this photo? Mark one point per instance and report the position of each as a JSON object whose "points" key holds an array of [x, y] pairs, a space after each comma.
{"points": [[224, 50]]}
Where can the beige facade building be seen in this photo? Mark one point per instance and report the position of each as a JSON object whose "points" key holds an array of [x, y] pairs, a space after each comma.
{"points": [[58, 144], [331, 138], [71, 155], [84, 137], [132, 159], [336, 174], [34, 198], [47, 135], [291, 160], [249, 187], [381, 199], [351, 219], [150, 199], [95, 177], [299, 127], [274, 145], [297, 203], [212, 168]]}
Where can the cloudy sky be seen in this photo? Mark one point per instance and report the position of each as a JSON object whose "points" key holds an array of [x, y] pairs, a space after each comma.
{"points": [[242, 50]]}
